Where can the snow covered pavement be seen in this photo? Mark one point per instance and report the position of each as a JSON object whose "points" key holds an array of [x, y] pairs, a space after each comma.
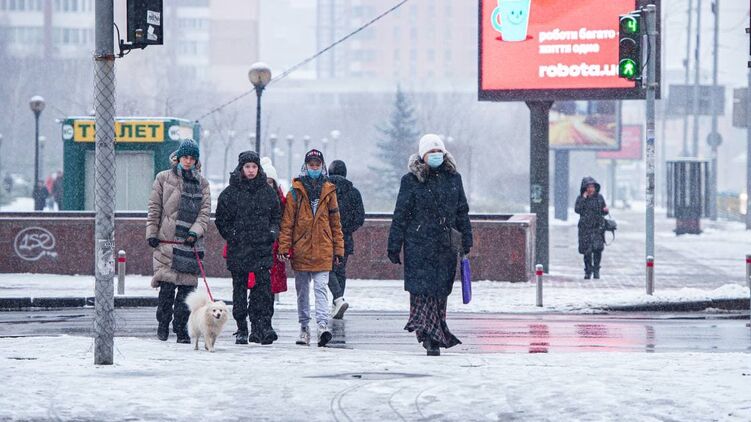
{"points": [[55, 378]]}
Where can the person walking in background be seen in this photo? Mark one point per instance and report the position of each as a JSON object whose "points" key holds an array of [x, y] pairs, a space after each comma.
{"points": [[591, 207], [430, 203], [279, 269], [247, 217], [57, 190], [39, 194], [311, 236], [179, 210], [352, 215]]}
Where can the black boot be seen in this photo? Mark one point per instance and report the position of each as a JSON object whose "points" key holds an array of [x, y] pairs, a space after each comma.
{"points": [[596, 274], [587, 276], [255, 333], [241, 335], [431, 347], [269, 336], [183, 337], [162, 332]]}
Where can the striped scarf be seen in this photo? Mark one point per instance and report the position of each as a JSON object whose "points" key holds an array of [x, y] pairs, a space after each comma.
{"points": [[191, 198]]}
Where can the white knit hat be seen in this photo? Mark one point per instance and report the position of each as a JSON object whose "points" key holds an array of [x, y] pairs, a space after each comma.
{"points": [[269, 169], [430, 141]]}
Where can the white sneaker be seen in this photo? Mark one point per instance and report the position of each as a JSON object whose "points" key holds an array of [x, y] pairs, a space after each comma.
{"points": [[304, 339], [324, 335], [340, 306]]}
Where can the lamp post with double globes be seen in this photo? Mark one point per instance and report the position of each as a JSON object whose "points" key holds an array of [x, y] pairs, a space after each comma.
{"points": [[260, 76], [290, 140], [37, 106], [335, 134]]}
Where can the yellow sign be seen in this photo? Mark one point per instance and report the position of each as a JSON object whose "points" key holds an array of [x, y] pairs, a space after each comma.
{"points": [[125, 131]]}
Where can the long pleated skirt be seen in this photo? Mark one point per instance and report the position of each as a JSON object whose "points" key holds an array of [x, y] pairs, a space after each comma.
{"points": [[427, 319]]}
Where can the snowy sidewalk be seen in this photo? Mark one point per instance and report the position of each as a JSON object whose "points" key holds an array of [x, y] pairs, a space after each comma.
{"points": [[55, 379], [389, 295]]}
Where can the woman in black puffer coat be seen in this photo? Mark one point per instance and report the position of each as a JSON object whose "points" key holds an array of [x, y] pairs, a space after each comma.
{"points": [[247, 216], [431, 200], [591, 207]]}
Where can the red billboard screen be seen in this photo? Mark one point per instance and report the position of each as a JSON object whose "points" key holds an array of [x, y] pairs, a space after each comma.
{"points": [[631, 145], [552, 50]]}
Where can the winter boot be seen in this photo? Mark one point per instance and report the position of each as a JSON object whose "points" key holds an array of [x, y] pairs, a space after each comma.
{"points": [[162, 332], [304, 339], [255, 333], [324, 335], [241, 335], [596, 274], [431, 347], [587, 276], [340, 306], [183, 337], [268, 335]]}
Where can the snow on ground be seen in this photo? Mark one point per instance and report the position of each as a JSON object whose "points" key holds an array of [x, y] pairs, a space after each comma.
{"points": [[389, 295], [55, 378], [19, 204]]}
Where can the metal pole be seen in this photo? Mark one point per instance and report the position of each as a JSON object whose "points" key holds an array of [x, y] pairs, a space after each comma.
{"points": [[104, 198], [290, 139], [121, 272], [650, 275], [687, 65], [560, 182], [697, 68], [748, 152], [714, 135], [539, 175], [259, 91], [36, 149], [538, 281], [651, 86], [614, 163]]}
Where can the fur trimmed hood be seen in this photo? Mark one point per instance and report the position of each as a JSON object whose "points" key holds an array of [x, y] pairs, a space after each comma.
{"points": [[421, 169]]}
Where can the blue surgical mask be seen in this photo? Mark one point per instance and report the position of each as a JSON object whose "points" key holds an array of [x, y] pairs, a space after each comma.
{"points": [[183, 167], [314, 174], [435, 159]]}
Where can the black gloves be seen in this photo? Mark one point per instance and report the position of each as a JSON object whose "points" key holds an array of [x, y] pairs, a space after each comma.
{"points": [[394, 257], [190, 241], [153, 242]]}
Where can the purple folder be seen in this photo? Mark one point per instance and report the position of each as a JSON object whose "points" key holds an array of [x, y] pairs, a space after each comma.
{"points": [[466, 281]]}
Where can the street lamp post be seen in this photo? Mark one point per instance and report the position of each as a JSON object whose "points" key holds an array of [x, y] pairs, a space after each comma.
{"points": [[290, 140], [260, 76], [306, 143], [272, 141], [42, 142], [37, 106], [334, 138]]}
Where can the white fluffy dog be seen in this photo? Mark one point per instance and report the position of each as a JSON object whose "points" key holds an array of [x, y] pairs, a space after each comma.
{"points": [[207, 318]]}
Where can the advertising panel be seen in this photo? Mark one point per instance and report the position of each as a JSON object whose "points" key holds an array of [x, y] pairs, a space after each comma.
{"points": [[552, 50], [631, 145], [588, 125]]}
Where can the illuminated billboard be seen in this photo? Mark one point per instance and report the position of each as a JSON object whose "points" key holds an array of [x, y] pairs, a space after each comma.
{"points": [[589, 126], [553, 50]]}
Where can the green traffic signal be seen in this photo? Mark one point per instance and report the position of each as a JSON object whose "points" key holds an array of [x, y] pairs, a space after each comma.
{"points": [[627, 69], [629, 25]]}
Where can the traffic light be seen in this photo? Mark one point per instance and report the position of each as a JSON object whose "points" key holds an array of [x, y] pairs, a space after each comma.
{"points": [[629, 46]]}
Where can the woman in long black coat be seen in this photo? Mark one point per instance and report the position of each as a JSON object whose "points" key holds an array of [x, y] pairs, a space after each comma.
{"points": [[247, 216], [431, 201], [591, 207]]}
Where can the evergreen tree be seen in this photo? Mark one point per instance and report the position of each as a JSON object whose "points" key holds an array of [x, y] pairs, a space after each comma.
{"points": [[397, 143]]}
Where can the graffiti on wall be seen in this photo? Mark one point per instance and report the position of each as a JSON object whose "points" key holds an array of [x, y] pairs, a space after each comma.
{"points": [[34, 243]]}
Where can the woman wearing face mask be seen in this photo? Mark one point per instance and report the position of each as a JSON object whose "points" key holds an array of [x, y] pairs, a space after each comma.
{"points": [[247, 217], [591, 207], [431, 201], [179, 210], [311, 228]]}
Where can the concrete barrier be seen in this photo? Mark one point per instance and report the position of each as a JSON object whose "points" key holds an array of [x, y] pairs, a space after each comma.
{"points": [[63, 243]]}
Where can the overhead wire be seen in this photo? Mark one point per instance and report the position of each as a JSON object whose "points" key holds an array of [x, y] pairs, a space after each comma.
{"points": [[307, 60]]}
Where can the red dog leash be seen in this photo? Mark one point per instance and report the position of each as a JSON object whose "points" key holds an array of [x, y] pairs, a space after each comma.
{"points": [[200, 264]]}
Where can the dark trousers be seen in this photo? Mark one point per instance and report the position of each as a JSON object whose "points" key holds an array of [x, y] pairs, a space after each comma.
{"points": [[592, 261], [338, 278], [258, 306], [169, 303]]}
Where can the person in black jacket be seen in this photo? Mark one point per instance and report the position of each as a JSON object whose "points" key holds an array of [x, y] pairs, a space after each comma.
{"points": [[352, 215], [591, 207], [247, 216], [431, 201]]}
